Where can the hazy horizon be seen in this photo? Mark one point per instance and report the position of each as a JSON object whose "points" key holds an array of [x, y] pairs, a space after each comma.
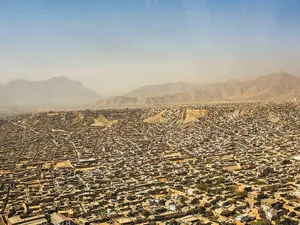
{"points": [[117, 46], [114, 93]]}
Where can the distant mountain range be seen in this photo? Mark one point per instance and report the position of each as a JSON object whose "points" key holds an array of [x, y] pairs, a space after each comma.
{"points": [[275, 86], [162, 89], [61, 91], [55, 91]]}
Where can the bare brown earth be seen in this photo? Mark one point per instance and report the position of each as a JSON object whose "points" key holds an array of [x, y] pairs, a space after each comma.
{"points": [[271, 87], [179, 116], [63, 164], [158, 118], [193, 115], [101, 121]]}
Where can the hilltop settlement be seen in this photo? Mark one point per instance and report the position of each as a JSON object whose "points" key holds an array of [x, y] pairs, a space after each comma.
{"points": [[236, 163]]}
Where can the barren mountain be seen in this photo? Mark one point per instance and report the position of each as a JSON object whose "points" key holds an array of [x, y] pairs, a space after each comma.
{"points": [[275, 86], [272, 86], [56, 91], [161, 89], [117, 101]]}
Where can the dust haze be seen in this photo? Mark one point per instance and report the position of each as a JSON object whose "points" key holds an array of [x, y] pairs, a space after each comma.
{"points": [[149, 43]]}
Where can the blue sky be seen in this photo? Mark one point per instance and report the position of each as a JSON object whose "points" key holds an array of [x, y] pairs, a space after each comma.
{"points": [[117, 45]]}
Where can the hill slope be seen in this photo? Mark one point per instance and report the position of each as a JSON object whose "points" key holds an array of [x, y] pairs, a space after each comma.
{"points": [[275, 86], [117, 101], [161, 89]]}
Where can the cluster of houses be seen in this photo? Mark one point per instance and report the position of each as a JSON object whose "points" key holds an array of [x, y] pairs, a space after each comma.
{"points": [[239, 164]]}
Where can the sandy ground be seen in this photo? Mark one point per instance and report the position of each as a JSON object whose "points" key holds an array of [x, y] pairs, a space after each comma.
{"points": [[101, 121], [62, 164], [192, 115], [158, 118]]}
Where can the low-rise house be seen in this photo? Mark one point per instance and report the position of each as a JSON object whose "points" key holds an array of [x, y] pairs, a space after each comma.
{"points": [[59, 219]]}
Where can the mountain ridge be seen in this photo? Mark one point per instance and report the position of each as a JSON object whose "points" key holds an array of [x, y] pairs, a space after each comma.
{"points": [[55, 91], [269, 87], [160, 89]]}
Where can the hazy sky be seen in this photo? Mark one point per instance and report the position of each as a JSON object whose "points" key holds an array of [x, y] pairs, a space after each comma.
{"points": [[118, 45]]}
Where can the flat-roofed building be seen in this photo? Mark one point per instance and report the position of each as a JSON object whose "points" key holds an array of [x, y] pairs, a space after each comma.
{"points": [[123, 221], [59, 219], [35, 220]]}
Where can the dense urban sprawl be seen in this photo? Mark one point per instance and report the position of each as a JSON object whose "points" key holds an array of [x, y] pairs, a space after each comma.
{"points": [[236, 163]]}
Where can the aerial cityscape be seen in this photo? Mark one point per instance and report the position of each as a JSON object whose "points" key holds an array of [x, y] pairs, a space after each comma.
{"points": [[203, 164], [154, 112]]}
